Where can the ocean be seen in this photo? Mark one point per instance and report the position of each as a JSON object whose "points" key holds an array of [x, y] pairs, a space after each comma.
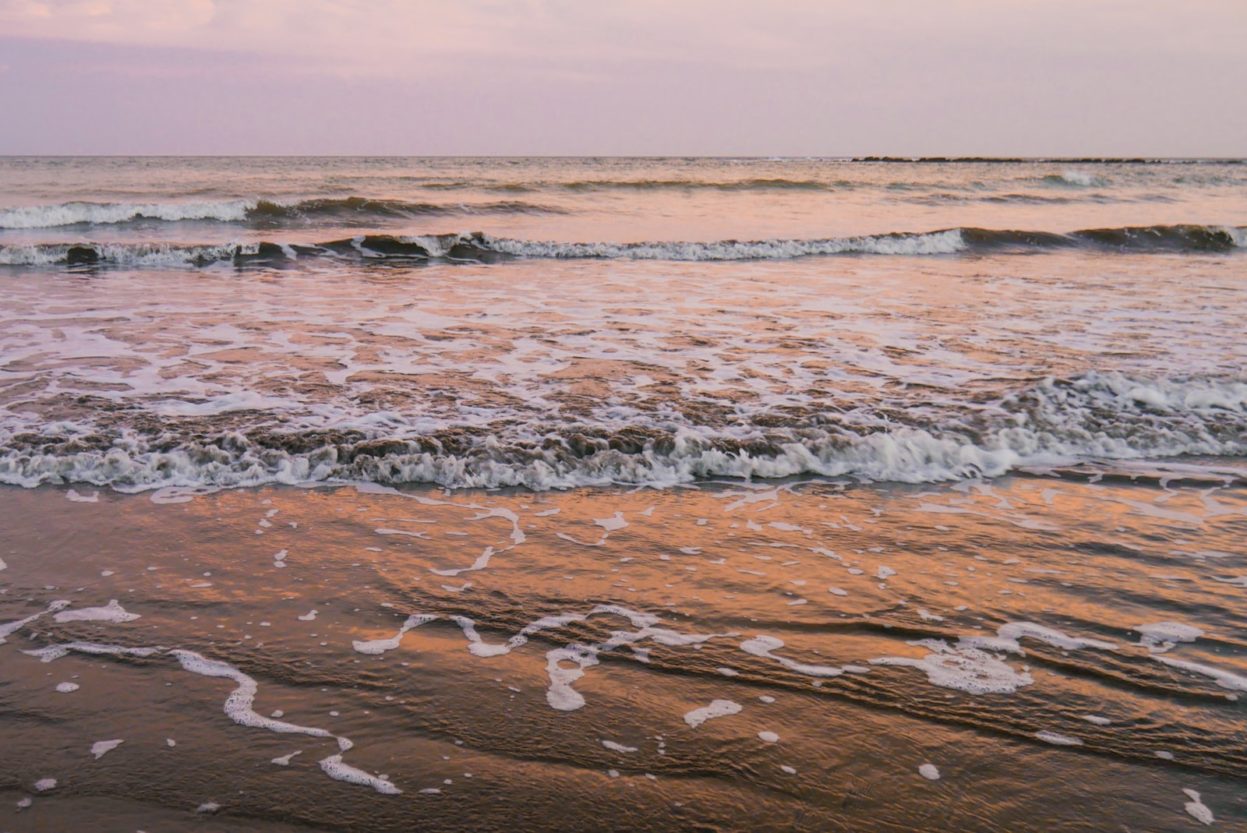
{"points": [[622, 494]]}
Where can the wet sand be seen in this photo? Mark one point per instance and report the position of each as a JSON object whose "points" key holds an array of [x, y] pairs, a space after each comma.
{"points": [[1031, 654]]}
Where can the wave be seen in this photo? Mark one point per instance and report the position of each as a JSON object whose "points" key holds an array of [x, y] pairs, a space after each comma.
{"points": [[944, 197], [477, 247], [1055, 422], [257, 213], [752, 184], [1068, 160], [1074, 179]]}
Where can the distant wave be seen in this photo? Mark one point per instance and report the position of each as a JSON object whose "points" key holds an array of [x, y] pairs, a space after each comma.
{"points": [[577, 185], [1052, 422], [755, 184], [257, 213], [945, 197], [478, 247], [1074, 179], [1068, 160]]}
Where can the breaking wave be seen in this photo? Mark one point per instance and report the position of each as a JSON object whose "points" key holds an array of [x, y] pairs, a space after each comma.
{"points": [[1095, 417], [255, 213], [478, 247]]}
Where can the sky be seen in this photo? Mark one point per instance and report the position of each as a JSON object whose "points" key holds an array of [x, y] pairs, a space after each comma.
{"points": [[623, 77]]}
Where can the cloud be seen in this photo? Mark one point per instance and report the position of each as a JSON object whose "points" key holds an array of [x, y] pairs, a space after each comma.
{"points": [[114, 21], [786, 76], [397, 37]]}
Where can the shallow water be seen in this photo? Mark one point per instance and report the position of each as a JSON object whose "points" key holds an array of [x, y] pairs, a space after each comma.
{"points": [[1006, 634], [627, 334], [557, 375], [685, 495]]}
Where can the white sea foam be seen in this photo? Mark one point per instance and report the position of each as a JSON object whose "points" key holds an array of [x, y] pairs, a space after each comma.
{"points": [[239, 706], [565, 665], [112, 612], [1197, 809], [612, 523], [1159, 637], [562, 696], [1010, 634], [102, 747], [971, 664], [1223, 678], [1063, 423], [938, 242], [52, 653], [716, 709], [481, 562], [239, 703], [76, 213], [149, 255], [7, 629], [765, 646], [170, 255], [962, 668], [334, 767], [380, 646]]}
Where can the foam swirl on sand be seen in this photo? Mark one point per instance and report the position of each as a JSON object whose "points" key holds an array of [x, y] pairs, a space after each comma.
{"points": [[239, 705]]}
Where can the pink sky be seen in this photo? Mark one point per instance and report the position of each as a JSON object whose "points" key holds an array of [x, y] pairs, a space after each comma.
{"points": [[803, 77]]}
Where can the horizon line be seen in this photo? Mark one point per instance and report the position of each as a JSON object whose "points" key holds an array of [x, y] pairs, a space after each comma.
{"points": [[778, 157]]}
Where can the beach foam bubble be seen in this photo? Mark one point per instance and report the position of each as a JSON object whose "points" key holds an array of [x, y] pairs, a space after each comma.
{"points": [[112, 613], [716, 709], [962, 668]]}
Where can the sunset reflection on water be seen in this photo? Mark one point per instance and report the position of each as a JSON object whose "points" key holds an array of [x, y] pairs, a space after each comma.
{"points": [[841, 575]]}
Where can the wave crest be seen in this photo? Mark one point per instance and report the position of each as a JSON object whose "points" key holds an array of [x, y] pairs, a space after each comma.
{"points": [[1056, 422], [255, 212], [478, 247]]}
